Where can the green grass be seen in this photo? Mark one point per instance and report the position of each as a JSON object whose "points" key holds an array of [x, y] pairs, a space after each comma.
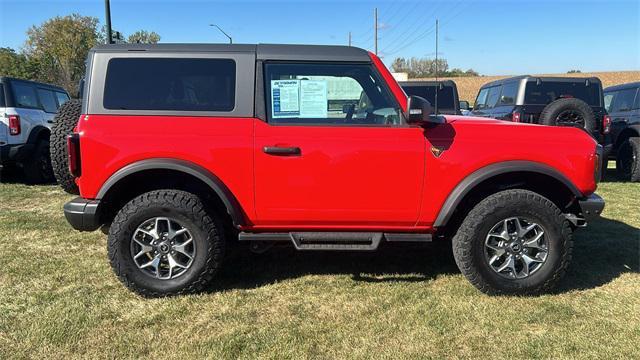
{"points": [[59, 298]]}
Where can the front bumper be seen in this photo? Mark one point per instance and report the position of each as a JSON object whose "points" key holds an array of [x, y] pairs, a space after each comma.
{"points": [[83, 214], [591, 207]]}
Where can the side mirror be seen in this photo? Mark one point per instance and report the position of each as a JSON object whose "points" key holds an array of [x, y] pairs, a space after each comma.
{"points": [[464, 105], [419, 111]]}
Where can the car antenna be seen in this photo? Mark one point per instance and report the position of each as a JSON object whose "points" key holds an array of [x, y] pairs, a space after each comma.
{"points": [[437, 84]]}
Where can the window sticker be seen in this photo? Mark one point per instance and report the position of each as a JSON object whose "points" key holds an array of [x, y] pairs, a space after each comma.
{"points": [[313, 99], [285, 99]]}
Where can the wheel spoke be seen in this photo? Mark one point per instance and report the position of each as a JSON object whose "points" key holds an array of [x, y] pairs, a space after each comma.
{"points": [[181, 248], [155, 264], [507, 264], [151, 233], [528, 260], [493, 259], [534, 242]]}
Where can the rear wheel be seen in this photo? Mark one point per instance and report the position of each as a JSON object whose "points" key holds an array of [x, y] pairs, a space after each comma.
{"points": [[513, 242], [628, 160], [165, 243], [37, 168], [64, 122]]}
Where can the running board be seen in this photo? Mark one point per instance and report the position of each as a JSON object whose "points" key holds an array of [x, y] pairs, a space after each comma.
{"points": [[345, 241]]}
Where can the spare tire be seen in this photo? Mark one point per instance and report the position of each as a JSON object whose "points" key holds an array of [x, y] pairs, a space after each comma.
{"points": [[569, 112], [63, 124]]}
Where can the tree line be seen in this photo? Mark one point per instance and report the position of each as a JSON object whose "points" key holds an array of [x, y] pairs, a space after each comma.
{"points": [[426, 68], [55, 51]]}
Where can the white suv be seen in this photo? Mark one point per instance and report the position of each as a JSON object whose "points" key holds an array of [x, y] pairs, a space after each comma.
{"points": [[27, 110]]}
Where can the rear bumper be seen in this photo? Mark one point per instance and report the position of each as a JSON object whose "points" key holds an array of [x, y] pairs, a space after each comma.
{"points": [[591, 207], [83, 214], [12, 153]]}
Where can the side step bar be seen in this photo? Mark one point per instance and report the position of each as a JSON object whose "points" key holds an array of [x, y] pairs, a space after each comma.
{"points": [[345, 241]]}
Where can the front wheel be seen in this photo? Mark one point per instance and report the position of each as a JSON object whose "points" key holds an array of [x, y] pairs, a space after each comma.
{"points": [[165, 243], [514, 242], [628, 160]]}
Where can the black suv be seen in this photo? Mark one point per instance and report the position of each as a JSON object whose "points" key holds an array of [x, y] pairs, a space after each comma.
{"points": [[622, 102], [448, 101], [549, 101]]}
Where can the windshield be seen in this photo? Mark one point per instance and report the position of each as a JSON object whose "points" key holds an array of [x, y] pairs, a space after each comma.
{"points": [[446, 99], [549, 91]]}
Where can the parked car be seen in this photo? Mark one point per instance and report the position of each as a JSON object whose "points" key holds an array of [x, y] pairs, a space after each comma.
{"points": [[622, 102], [239, 142], [558, 101], [27, 110], [448, 101]]}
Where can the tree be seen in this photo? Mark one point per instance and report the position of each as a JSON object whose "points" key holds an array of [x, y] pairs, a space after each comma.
{"points": [[16, 65], [60, 46], [143, 37], [426, 67]]}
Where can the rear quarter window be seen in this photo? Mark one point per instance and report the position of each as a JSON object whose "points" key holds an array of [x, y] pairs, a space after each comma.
{"points": [[2, 102], [550, 91], [446, 98], [25, 96], [176, 84]]}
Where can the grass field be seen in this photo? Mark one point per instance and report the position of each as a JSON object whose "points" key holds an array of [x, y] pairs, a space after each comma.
{"points": [[58, 298], [468, 86]]}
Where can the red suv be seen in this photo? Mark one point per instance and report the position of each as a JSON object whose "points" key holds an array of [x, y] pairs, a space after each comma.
{"points": [[182, 148]]}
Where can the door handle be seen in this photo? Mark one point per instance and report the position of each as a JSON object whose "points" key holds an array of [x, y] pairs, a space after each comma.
{"points": [[282, 151], [50, 121]]}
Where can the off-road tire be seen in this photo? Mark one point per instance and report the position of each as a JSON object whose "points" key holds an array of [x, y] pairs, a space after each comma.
{"points": [[468, 242], [37, 168], [629, 148], [550, 113], [205, 228], [63, 124]]}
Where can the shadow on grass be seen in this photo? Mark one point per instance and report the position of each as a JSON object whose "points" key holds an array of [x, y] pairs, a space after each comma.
{"points": [[602, 252]]}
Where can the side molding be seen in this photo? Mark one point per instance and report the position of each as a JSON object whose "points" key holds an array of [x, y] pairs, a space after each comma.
{"points": [[231, 203], [478, 176]]}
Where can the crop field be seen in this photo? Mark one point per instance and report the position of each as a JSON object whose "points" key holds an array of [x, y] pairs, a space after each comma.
{"points": [[468, 86], [59, 298]]}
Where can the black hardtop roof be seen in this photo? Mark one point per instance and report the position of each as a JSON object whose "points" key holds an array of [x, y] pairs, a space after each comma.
{"points": [[428, 83], [262, 51], [5, 79], [541, 78], [630, 85]]}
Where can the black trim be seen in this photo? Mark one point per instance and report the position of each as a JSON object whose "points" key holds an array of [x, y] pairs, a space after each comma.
{"points": [[475, 178], [35, 133], [82, 214], [233, 206], [591, 207]]}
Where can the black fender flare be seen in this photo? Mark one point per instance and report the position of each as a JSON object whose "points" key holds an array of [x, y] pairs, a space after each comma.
{"points": [[230, 202], [484, 173], [635, 128], [35, 133]]}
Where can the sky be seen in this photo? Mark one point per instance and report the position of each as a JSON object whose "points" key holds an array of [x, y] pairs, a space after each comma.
{"points": [[493, 37]]}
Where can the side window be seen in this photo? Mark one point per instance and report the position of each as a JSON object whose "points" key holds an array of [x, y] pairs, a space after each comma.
{"points": [[636, 105], [25, 95], [481, 100], [47, 100], [62, 98], [492, 98], [509, 92], [2, 103], [623, 101], [608, 100], [174, 84], [336, 94]]}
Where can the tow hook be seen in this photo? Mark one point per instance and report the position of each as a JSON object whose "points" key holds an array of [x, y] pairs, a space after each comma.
{"points": [[576, 220]]}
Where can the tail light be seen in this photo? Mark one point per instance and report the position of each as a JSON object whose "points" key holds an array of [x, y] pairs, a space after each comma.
{"points": [[515, 116], [600, 163], [14, 125], [73, 148], [606, 124]]}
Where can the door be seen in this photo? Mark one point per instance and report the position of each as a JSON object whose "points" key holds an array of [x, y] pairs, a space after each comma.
{"points": [[49, 106], [620, 106], [335, 152], [503, 109]]}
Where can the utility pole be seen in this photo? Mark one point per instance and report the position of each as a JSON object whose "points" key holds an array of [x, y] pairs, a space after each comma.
{"points": [[107, 12], [349, 38], [375, 30], [437, 84]]}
